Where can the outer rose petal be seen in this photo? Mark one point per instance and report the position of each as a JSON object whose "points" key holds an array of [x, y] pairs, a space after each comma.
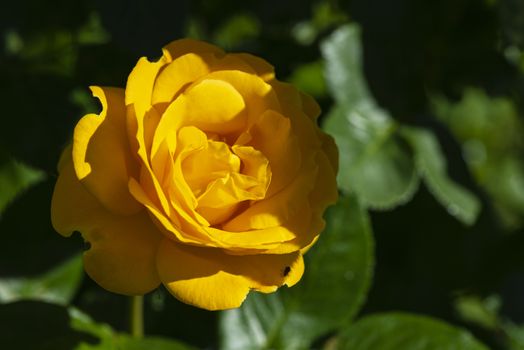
{"points": [[310, 106], [181, 47], [123, 248], [183, 70], [141, 118], [101, 153], [72, 205], [259, 65], [122, 255], [210, 105], [213, 280], [323, 194], [330, 149]]}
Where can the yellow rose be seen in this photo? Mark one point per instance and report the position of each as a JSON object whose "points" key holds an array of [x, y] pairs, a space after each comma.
{"points": [[205, 174]]}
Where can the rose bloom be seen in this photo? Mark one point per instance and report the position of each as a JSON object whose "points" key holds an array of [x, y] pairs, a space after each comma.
{"points": [[205, 174]]}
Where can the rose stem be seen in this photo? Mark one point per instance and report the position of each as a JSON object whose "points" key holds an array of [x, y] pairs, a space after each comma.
{"points": [[137, 316]]}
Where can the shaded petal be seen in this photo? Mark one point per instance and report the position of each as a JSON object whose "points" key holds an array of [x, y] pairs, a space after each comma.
{"points": [[272, 135], [289, 237], [291, 101], [122, 257], [72, 205], [262, 68], [325, 190], [181, 47], [170, 225], [256, 165], [101, 153], [232, 62], [310, 106], [330, 149], [213, 280], [278, 209], [215, 216], [123, 248]]}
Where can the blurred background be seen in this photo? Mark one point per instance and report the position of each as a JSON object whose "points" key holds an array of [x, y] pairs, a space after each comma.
{"points": [[442, 81]]}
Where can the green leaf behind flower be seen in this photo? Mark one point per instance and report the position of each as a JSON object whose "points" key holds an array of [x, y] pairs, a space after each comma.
{"points": [[431, 163], [55, 286], [337, 277], [490, 132], [381, 161], [15, 177], [109, 339], [374, 163], [400, 331]]}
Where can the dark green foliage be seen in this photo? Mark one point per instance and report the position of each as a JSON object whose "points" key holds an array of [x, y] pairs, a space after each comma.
{"points": [[425, 101]]}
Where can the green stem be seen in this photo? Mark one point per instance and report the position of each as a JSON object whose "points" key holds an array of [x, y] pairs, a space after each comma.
{"points": [[137, 316]]}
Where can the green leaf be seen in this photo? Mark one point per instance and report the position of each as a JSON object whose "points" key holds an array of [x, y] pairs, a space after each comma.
{"points": [[105, 336], [515, 334], [92, 32], [400, 331], [431, 163], [490, 131], [55, 286], [15, 177], [108, 339], [482, 312], [344, 74], [237, 30], [335, 283], [157, 343], [374, 163], [309, 78], [324, 16]]}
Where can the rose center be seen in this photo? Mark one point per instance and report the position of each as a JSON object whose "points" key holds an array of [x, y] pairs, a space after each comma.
{"points": [[223, 176]]}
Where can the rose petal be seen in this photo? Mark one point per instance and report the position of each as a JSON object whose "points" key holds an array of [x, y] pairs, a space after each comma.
{"points": [[170, 224], [214, 161], [142, 119], [330, 149], [213, 280], [122, 255], [272, 135], [181, 47], [296, 231], [257, 94], [302, 124], [140, 83], [214, 106], [278, 209], [72, 205], [210, 105], [310, 106], [324, 193], [177, 74], [262, 68], [123, 248], [232, 63], [101, 153]]}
